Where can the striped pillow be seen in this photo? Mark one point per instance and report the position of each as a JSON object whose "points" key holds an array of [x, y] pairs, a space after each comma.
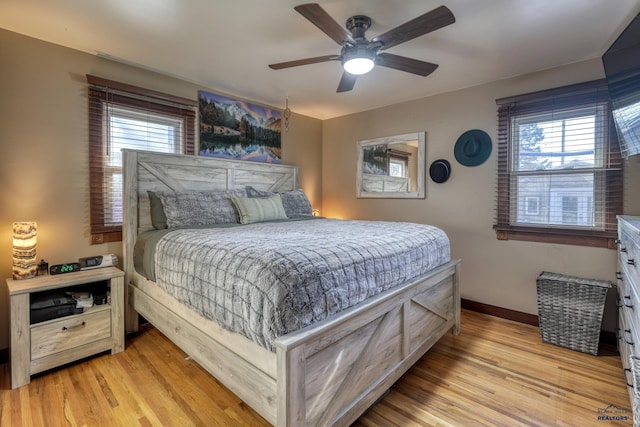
{"points": [[295, 202], [259, 209]]}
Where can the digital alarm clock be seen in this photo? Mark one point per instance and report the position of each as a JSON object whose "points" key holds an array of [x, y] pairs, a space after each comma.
{"points": [[98, 261], [68, 267]]}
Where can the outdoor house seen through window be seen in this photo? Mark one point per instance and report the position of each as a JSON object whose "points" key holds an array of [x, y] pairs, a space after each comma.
{"points": [[559, 167], [124, 116]]}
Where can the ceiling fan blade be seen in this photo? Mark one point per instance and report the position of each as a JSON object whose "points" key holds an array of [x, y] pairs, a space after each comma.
{"points": [[430, 21], [403, 63], [346, 82], [321, 19], [306, 61]]}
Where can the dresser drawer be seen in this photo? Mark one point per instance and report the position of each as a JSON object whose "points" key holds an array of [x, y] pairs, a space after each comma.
{"points": [[628, 273], [627, 333], [69, 332], [629, 256], [629, 303], [626, 351]]}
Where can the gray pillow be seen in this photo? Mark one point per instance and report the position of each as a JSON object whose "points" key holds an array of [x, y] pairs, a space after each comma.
{"points": [[259, 209], [199, 207], [295, 202], [158, 218]]}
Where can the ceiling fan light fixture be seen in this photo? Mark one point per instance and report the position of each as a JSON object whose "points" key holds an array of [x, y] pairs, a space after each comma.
{"points": [[358, 66], [358, 61]]}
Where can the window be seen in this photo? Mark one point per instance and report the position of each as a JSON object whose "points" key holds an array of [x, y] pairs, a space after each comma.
{"points": [[397, 168], [532, 205], [123, 116], [559, 167], [398, 163]]}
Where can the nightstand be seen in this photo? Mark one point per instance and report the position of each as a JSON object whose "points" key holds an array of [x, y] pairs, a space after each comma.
{"points": [[41, 346]]}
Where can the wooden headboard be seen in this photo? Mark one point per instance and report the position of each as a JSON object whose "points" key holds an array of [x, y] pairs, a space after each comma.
{"points": [[145, 171], [148, 171]]}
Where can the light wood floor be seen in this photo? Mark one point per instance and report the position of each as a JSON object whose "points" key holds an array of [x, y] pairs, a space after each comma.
{"points": [[496, 373]]}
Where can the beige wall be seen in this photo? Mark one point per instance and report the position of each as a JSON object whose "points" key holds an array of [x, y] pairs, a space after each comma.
{"points": [[43, 168], [44, 147], [500, 273]]}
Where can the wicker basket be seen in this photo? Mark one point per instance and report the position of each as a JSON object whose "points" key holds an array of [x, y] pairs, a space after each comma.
{"points": [[570, 310]]}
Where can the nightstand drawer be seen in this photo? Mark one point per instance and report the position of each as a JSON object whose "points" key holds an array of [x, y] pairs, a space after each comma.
{"points": [[68, 332]]}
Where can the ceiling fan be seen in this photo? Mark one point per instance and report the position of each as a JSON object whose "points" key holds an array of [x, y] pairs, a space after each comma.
{"points": [[359, 55]]}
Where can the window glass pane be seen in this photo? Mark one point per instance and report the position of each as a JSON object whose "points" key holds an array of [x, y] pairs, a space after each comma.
{"points": [[396, 168], [139, 130], [113, 203], [549, 199], [566, 143]]}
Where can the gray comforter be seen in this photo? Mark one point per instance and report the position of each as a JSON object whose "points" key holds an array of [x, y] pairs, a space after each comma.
{"points": [[267, 279]]}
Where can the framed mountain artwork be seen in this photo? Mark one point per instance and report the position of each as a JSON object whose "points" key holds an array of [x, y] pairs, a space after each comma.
{"points": [[238, 130]]}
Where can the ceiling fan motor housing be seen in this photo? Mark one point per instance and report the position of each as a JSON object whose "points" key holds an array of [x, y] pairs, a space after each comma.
{"points": [[358, 25], [363, 49]]}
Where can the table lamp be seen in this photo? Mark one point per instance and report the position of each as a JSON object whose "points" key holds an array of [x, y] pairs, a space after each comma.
{"points": [[25, 265]]}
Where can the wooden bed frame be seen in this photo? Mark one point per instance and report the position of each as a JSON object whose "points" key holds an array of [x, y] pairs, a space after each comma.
{"points": [[325, 374]]}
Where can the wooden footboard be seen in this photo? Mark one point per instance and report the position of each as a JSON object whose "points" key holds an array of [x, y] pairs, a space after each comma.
{"points": [[329, 374], [325, 374]]}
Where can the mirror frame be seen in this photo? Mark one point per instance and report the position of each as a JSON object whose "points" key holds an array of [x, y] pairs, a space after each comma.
{"points": [[421, 165]]}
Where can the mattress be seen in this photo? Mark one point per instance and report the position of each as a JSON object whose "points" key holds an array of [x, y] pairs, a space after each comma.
{"points": [[267, 279]]}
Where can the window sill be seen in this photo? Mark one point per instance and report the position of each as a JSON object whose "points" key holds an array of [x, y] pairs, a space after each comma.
{"points": [[597, 239]]}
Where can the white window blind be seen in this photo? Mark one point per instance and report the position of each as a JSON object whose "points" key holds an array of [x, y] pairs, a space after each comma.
{"points": [[123, 116]]}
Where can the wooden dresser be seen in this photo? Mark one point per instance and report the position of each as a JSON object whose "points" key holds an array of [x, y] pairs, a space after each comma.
{"points": [[628, 274]]}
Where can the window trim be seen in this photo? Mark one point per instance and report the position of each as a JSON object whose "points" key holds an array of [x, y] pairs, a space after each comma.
{"points": [[103, 91], [573, 96]]}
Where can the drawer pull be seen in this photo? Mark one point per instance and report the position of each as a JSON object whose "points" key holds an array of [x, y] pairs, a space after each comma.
{"points": [[630, 340], [625, 298], [623, 250], [631, 261], [626, 379], [619, 275], [71, 328], [618, 302]]}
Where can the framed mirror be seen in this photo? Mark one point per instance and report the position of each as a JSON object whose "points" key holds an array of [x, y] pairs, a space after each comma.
{"points": [[392, 167]]}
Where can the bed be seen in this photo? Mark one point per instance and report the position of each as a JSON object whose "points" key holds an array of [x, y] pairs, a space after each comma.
{"points": [[330, 370]]}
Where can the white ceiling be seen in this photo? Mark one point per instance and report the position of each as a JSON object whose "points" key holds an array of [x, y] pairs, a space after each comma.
{"points": [[227, 45]]}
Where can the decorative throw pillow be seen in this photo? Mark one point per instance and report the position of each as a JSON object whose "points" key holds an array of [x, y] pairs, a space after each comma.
{"points": [[259, 209], [158, 218], [199, 207], [295, 202]]}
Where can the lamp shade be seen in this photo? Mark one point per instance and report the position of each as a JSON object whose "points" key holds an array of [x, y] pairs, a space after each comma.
{"points": [[25, 265]]}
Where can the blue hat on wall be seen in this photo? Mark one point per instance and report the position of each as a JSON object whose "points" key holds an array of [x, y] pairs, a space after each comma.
{"points": [[472, 148]]}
